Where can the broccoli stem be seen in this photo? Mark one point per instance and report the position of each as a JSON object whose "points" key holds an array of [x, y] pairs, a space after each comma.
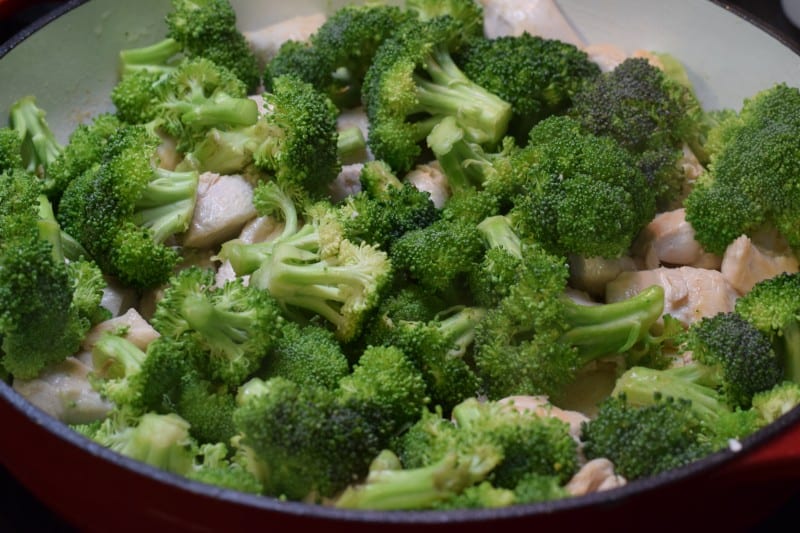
{"points": [[167, 204], [377, 178], [462, 162], [39, 144], [49, 230], [642, 387], [614, 327], [351, 145], [498, 233], [220, 327], [418, 488], [483, 115], [222, 111], [148, 57], [460, 328], [115, 357]]}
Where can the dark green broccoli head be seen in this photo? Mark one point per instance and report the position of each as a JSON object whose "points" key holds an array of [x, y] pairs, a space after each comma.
{"points": [[644, 441], [537, 76]]}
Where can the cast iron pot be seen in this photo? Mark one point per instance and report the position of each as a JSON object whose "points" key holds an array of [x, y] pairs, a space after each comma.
{"points": [[68, 61]]}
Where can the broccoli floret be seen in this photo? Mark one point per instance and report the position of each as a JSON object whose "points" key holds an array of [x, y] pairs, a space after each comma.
{"points": [[382, 217], [41, 319], [729, 353], [468, 12], [776, 402], [313, 441], [500, 268], [648, 113], [83, 150], [307, 355], [440, 255], [123, 210], [237, 324], [319, 271], [198, 29], [339, 52], [217, 466], [645, 440], [537, 76], [773, 307], [159, 440], [751, 179], [584, 195], [424, 487], [295, 141], [441, 349], [413, 83], [537, 338], [10, 150], [39, 144]]}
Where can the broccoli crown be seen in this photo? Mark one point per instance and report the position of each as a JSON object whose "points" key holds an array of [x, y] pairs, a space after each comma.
{"points": [[307, 355], [136, 95], [636, 104], [741, 355], [317, 270], [441, 349], [468, 12], [776, 402], [531, 444], [439, 255], [236, 323], [537, 76], [585, 195], [643, 441], [123, 210], [84, 149], [750, 179], [41, 322], [10, 150], [295, 141], [207, 29], [500, 268], [413, 82], [311, 442], [380, 221], [772, 307], [339, 52], [537, 338]]}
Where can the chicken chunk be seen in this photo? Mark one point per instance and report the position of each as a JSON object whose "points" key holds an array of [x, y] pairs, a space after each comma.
{"points": [[224, 205], [541, 406], [537, 17], [690, 293], [64, 392], [594, 476], [137, 330], [745, 264], [347, 183], [429, 177], [669, 240], [606, 55]]}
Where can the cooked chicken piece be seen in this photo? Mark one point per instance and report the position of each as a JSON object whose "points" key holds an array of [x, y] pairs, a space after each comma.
{"points": [[670, 240], [224, 205], [591, 274], [429, 177], [541, 406], [63, 391], [745, 264], [348, 182], [267, 40], [225, 273], [594, 476], [606, 55], [537, 17], [260, 229], [138, 330], [692, 169], [117, 297], [690, 293]]}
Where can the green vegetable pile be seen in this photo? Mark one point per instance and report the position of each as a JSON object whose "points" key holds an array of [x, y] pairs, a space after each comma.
{"points": [[378, 349]]}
